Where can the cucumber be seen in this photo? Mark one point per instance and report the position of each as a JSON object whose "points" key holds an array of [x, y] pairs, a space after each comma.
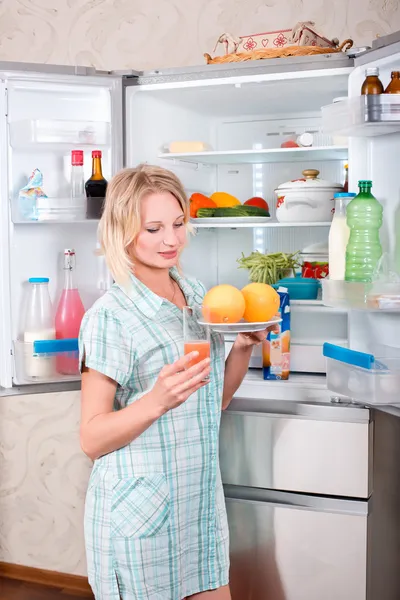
{"points": [[205, 213], [232, 211], [255, 211]]}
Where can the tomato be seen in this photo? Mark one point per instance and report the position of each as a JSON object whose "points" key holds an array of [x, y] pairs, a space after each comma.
{"points": [[200, 201], [289, 144], [257, 201]]}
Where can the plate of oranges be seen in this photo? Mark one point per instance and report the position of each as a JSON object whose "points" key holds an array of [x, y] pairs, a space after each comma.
{"points": [[226, 309]]}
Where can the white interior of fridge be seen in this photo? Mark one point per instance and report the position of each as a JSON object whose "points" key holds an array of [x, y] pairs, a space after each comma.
{"points": [[47, 118], [243, 124]]}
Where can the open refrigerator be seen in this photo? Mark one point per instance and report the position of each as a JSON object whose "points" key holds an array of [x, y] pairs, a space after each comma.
{"points": [[243, 113]]}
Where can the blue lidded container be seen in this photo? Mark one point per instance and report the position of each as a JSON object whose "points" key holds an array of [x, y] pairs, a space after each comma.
{"points": [[299, 288]]}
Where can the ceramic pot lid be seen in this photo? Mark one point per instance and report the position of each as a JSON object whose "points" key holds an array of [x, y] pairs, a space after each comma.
{"points": [[309, 181]]}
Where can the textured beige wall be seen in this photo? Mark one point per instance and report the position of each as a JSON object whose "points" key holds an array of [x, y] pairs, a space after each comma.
{"points": [[43, 479], [157, 33]]}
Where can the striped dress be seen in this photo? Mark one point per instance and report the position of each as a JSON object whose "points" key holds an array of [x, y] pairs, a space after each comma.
{"points": [[155, 518]]}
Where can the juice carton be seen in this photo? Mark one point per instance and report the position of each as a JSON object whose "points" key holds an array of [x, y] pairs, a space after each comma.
{"points": [[276, 348]]}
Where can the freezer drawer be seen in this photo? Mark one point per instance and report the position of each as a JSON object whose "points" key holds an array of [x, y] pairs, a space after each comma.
{"points": [[290, 547], [292, 453]]}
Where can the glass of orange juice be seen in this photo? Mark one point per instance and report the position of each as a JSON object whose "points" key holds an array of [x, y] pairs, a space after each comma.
{"points": [[196, 337]]}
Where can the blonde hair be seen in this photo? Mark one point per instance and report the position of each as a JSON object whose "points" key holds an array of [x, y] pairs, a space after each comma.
{"points": [[120, 223]]}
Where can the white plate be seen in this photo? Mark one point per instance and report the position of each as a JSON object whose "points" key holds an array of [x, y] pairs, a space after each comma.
{"points": [[241, 327], [229, 220]]}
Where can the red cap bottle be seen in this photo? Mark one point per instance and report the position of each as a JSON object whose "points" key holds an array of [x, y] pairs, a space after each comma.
{"points": [[77, 158]]}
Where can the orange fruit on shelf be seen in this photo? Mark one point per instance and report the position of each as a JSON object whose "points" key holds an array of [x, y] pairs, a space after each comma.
{"points": [[223, 304], [262, 302]]}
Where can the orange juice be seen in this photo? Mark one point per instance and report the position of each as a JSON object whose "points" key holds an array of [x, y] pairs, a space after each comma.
{"points": [[200, 346]]}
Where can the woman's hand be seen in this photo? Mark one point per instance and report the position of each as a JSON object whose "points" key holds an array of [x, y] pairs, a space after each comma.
{"points": [[178, 381], [248, 340]]}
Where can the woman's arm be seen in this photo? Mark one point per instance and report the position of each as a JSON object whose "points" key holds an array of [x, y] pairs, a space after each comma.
{"points": [[238, 360], [104, 430]]}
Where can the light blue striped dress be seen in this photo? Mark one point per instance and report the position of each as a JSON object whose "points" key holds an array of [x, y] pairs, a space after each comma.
{"points": [[155, 518]]}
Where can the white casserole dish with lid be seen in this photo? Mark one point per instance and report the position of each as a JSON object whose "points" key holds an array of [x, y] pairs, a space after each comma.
{"points": [[308, 199]]}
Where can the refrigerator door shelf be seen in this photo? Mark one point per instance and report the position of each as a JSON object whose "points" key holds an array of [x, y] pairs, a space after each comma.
{"points": [[379, 297], [37, 362], [48, 132], [63, 210], [377, 385], [363, 116]]}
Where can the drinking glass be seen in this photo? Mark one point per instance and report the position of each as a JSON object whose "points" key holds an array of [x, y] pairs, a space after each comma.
{"points": [[196, 337]]}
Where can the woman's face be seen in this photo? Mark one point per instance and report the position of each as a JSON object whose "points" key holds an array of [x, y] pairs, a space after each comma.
{"points": [[163, 232]]}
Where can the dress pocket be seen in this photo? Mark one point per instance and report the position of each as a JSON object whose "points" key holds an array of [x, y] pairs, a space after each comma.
{"points": [[140, 507]]}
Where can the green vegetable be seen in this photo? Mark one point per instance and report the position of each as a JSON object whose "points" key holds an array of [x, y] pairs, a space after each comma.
{"points": [[233, 211], [205, 213], [255, 211], [268, 268]]}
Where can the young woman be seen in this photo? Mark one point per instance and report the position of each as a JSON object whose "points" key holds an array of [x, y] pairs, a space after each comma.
{"points": [[155, 520]]}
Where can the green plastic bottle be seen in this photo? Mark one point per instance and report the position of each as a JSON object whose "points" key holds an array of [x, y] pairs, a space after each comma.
{"points": [[364, 219]]}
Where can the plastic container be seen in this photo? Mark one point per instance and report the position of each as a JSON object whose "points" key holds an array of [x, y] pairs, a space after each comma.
{"points": [[40, 353], [363, 116], [362, 377], [58, 131], [300, 288]]}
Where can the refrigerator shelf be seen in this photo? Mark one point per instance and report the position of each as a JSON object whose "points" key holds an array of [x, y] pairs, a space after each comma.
{"points": [[240, 222], [49, 132], [266, 155], [363, 116], [361, 296]]}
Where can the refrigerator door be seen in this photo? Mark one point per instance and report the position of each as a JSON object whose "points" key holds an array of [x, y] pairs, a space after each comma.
{"points": [[296, 547], [44, 116]]}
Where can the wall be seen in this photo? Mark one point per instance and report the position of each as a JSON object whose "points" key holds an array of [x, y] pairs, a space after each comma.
{"points": [[117, 34], [43, 480]]}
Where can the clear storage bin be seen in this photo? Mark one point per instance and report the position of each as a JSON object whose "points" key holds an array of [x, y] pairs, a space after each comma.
{"points": [[381, 297], [363, 116], [52, 131], [36, 362], [377, 385]]}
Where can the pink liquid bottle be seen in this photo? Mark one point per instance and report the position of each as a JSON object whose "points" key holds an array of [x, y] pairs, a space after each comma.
{"points": [[70, 311]]}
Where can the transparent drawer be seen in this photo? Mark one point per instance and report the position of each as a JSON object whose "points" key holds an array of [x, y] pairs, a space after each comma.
{"points": [[49, 209], [47, 361], [375, 383], [363, 115], [361, 296], [51, 131]]}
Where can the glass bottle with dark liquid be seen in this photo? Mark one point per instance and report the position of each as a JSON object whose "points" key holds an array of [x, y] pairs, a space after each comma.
{"points": [[394, 85], [95, 188], [372, 84]]}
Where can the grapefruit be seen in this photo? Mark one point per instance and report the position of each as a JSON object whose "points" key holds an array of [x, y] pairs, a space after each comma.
{"points": [[223, 304], [262, 302]]}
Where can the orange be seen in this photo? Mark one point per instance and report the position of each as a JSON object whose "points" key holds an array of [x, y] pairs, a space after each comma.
{"points": [[262, 302], [223, 304]]}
